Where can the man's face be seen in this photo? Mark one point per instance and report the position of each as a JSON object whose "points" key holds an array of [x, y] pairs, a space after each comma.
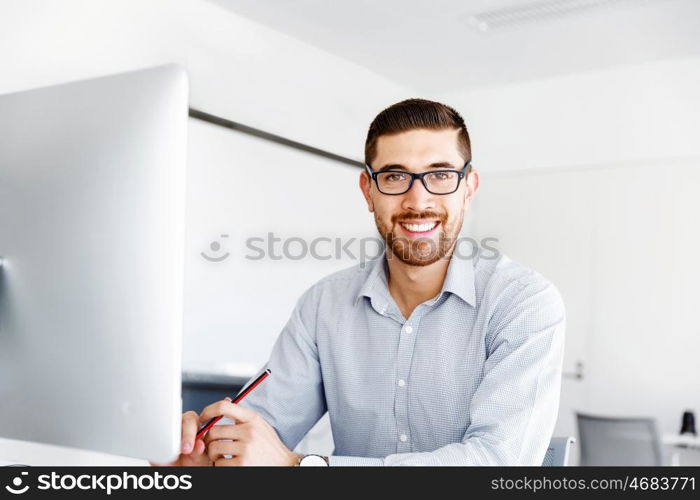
{"points": [[419, 227]]}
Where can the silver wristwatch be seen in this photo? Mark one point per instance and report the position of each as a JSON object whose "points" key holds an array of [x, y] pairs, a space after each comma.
{"points": [[313, 461]]}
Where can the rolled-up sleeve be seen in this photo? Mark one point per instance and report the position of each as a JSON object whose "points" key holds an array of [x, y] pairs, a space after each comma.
{"points": [[514, 408]]}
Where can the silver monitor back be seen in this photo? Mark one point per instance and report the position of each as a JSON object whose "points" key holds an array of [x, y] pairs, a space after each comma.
{"points": [[92, 211]]}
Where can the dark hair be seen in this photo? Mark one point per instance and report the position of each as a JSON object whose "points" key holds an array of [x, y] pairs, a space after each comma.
{"points": [[414, 114]]}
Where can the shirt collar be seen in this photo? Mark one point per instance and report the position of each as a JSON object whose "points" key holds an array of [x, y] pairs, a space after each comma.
{"points": [[376, 285], [458, 281]]}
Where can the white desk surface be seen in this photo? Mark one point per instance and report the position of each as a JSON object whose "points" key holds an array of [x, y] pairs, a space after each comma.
{"points": [[684, 441], [38, 454]]}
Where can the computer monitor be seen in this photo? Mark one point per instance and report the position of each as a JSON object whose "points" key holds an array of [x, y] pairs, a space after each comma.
{"points": [[92, 211]]}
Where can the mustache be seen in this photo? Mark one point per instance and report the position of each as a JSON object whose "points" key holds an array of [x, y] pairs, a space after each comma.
{"points": [[416, 216]]}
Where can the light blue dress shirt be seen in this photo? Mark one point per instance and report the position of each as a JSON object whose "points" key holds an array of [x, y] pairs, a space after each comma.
{"points": [[472, 377]]}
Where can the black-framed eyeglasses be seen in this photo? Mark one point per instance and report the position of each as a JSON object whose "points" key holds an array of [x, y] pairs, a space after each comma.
{"points": [[395, 182]]}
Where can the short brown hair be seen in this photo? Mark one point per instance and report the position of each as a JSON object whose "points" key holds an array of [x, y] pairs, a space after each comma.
{"points": [[414, 114]]}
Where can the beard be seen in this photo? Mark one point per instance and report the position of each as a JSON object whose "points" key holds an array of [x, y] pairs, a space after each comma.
{"points": [[419, 251]]}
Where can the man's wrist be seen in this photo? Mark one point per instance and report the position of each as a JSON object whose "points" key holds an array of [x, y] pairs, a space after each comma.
{"points": [[295, 459]]}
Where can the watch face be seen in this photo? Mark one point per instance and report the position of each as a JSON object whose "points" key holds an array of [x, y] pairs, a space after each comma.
{"points": [[313, 460]]}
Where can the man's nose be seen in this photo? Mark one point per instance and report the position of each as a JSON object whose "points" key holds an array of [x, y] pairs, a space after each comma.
{"points": [[418, 198]]}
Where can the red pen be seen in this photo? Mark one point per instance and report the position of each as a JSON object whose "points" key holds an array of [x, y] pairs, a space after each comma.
{"points": [[203, 430]]}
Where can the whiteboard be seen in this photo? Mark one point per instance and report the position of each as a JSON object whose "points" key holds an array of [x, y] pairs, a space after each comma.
{"points": [[245, 187]]}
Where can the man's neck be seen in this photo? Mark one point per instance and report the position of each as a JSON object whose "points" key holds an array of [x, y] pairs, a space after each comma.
{"points": [[413, 285]]}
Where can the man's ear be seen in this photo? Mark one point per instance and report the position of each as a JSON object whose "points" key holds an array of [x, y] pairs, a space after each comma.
{"points": [[472, 182], [365, 184]]}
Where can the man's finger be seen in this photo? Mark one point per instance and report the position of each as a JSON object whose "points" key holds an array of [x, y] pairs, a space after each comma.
{"points": [[218, 449], [190, 422], [228, 462], [199, 448], [227, 409], [224, 432]]}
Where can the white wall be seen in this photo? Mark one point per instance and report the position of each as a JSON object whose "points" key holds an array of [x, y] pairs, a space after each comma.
{"points": [[238, 69], [628, 114]]}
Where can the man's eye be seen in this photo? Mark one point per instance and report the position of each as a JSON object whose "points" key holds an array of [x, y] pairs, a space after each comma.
{"points": [[442, 176], [395, 177]]}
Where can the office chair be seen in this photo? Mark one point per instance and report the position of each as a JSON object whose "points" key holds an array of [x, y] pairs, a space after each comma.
{"points": [[619, 441], [558, 452]]}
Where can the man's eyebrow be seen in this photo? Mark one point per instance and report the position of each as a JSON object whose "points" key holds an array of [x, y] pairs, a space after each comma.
{"points": [[439, 164]]}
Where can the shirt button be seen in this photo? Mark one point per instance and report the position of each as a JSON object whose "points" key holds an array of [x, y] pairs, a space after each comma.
{"points": [[403, 438], [402, 382], [408, 329]]}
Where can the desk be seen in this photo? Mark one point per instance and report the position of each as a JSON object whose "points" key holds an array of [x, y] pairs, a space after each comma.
{"points": [[39, 454], [681, 441], [684, 450]]}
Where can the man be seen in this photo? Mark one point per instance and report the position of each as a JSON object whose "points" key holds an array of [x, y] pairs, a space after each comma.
{"points": [[422, 357]]}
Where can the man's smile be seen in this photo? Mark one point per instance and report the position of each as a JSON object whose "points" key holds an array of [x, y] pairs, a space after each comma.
{"points": [[419, 228]]}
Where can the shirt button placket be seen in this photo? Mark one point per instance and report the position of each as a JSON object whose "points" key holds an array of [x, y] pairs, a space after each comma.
{"points": [[405, 355]]}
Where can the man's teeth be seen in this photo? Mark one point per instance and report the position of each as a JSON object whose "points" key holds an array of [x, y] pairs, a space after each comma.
{"points": [[419, 228]]}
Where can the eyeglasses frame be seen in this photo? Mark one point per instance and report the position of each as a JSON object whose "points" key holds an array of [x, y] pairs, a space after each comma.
{"points": [[464, 171]]}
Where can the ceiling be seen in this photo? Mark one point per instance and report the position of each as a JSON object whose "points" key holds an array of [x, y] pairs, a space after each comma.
{"points": [[439, 46]]}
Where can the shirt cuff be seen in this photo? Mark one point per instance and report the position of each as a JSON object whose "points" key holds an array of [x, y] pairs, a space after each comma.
{"points": [[335, 461]]}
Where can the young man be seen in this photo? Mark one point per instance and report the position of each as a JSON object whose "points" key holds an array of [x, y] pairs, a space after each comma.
{"points": [[423, 357]]}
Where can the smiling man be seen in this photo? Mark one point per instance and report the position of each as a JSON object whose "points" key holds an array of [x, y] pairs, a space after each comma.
{"points": [[423, 357]]}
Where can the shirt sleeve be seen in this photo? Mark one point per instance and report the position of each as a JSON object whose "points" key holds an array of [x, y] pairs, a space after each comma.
{"points": [[292, 399], [515, 407]]}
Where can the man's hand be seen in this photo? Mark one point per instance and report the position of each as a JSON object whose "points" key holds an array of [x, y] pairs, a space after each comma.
{"points": [[192, 453], [252, 440]]}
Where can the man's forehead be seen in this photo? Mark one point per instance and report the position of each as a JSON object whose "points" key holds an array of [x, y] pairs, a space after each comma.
{"points": [[419, 145]]}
